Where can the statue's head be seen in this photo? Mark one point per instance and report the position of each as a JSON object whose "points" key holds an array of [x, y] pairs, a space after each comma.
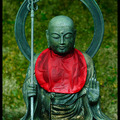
{"points": [[61, 34]]}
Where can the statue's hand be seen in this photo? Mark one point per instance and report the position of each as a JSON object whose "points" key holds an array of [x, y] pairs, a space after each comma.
{"points": [[93, 92], [31, 90]]}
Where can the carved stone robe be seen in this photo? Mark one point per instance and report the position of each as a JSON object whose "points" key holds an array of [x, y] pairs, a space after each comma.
{"points": [[63, 106]]}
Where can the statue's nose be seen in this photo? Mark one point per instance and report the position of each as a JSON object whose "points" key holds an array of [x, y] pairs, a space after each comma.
{"points": [[62, 40]]}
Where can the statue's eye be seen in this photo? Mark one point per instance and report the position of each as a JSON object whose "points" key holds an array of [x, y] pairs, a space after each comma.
{"points": [[55, 36], [67, 36]]}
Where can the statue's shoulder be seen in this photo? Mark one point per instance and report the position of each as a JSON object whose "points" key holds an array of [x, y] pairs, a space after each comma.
{"points": [[29, 67], [90, 67], [38, 54], [88, 60], [35, 57]]}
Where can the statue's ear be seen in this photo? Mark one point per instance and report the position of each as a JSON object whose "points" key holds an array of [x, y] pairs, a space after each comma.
{"points": [[74, 36], [47, 36], [74, 33]]}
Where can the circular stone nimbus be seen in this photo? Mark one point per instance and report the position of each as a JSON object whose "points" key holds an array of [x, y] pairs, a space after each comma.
{"points": [[98, 28]]}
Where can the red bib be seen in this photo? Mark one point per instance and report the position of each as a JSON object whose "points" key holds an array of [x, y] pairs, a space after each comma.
{"points": [[61, 74]]}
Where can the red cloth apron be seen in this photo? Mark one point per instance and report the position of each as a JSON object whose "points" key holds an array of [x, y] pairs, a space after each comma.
{"points": [[61, 74]]}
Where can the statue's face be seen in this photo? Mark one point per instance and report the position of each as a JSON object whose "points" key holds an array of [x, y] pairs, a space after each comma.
{"points": [[61, 39]]}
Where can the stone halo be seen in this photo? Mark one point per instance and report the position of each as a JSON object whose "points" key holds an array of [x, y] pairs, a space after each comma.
{"points": [[98, 28]]}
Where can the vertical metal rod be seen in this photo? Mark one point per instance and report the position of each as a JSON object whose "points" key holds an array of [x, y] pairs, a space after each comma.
{"points": [[32, 51]]}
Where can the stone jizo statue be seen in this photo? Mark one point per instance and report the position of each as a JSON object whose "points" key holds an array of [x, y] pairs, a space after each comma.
{"points": [[65, 85], [62, 80]]}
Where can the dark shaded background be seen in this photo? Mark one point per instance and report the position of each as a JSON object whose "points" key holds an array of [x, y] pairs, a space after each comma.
{"points": [[15, 64]]}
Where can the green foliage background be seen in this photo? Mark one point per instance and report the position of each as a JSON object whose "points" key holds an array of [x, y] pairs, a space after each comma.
{"points": [[15, 64]]}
